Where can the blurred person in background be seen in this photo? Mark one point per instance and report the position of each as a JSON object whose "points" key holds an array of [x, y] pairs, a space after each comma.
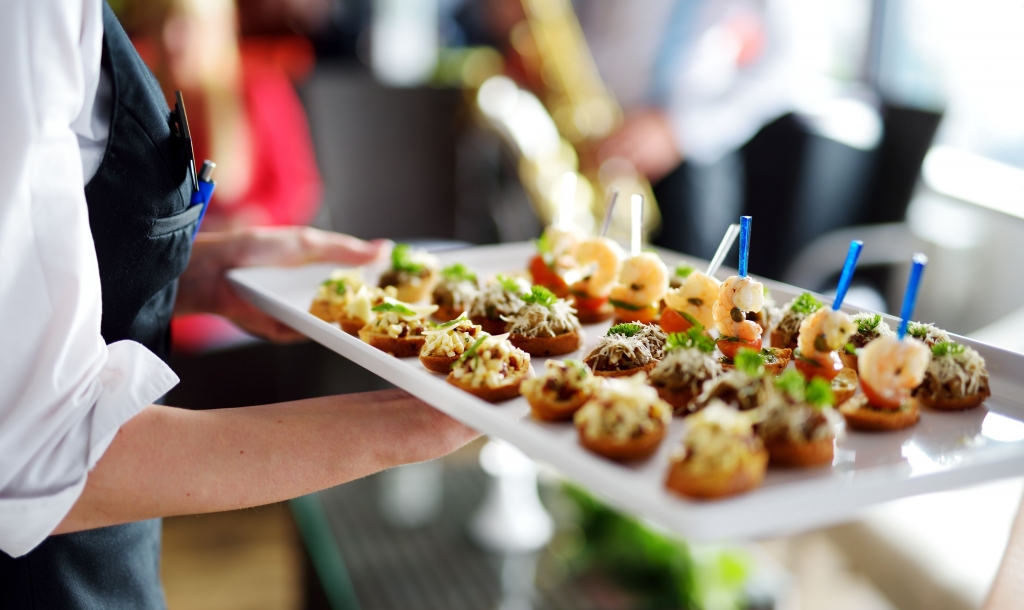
{"points": [[245, 116]]}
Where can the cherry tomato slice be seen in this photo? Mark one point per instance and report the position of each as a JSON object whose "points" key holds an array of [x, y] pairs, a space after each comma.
{"points": [[546, 277], [732, 346], [672, 322], [588, 303], [826, 369]]}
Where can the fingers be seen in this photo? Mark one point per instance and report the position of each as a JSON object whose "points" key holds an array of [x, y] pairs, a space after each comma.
{"points": [[325, 246]]}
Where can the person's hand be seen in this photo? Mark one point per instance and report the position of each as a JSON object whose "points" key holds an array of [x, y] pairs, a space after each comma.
{"points": [[204, 288], [645, 139]]}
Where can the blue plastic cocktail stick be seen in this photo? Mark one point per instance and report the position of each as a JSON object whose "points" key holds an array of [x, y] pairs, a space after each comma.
{"points": [[910, 296], [847, 276], [744, 243]]}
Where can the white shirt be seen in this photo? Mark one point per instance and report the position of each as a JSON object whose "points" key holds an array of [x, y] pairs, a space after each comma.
{"points": [[714, 105], [63, 392]]}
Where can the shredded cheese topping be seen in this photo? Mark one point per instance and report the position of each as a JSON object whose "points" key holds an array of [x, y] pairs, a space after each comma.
{"points": [[451, 341], [537, 320], [622, 409], [860, 339], [736, 388], [456, 293], [786, 420], [717, 439], [401, 324], [562, 381], [495, 363], [956, 375], [685, 369], [619, 352], [493, 301]]}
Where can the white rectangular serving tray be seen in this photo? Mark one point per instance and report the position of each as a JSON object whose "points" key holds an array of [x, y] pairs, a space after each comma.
{"points": [[944, 451]]}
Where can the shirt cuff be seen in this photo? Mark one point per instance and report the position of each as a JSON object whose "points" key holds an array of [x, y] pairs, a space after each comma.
{"points": [[132, 379]]}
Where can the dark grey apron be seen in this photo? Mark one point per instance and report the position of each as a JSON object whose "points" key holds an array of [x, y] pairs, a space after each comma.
{"points": [[141, 223]]}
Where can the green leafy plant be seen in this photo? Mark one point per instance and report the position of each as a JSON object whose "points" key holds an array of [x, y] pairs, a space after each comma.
{"points": [[401, 259], [750, 362], [627, 329], [539, 295], [805, 304], [692, 338], [458, 272], [947, 348]]}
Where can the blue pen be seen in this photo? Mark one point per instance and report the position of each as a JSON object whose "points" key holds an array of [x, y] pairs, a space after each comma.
{"points": [[203, 193]]}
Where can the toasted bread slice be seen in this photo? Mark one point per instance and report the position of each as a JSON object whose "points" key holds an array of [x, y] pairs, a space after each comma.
{"points": [[406, 347], [501, 393], [782, 358], [438, 364], [547, 346], [849, 360], [862, 416], [779, 340], [647, 368], [545, 409], [785, 452], [636, 448], [351, 325], [844, 385], [447, 313], [593, 316], [955, 404], [710, 485], [679, 399], [494, 327], [323, 310]]}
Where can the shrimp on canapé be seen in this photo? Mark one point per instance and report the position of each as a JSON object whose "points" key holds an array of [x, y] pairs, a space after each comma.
{"points": [[891, 368], [695, 298], [599, 259], [737, 297], [643, 282], [821, 334]]}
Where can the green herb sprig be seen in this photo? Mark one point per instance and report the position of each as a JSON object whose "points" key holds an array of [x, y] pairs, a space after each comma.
{"points": [[509, 284], [947, 348], [868, 326], [627, 329], [539, 295], [401, 259], [471, 352], [683, 270], [819, 393], [805, 304], [749, 361], [398, 308], [792, 383], [458, 272], [692, 338]]}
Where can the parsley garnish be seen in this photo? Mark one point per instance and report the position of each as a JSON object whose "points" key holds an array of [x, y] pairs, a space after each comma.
{"points": [[543, 244], [337, 285], [819, 393], [539, 295], [401, 261], [508, 284], [398, 308], [750, 362], [768, 354], [457, 273], [805, 304], [627, 329], [947, 348], [867, 326], [850, 348], [792, 383], [683, 270], [917, 330], [692, 338]]}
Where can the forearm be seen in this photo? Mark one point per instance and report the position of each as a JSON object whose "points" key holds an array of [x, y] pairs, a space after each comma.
{"points": [[168, 461]]}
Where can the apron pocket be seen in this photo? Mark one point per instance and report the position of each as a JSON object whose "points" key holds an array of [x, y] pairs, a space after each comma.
{"points": [[182, 220]]}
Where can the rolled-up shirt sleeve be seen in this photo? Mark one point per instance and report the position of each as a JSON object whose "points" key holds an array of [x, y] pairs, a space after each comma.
{"points": [[64, 393]]}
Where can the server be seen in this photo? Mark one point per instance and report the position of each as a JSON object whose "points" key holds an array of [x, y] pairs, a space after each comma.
{"points": [[95, 231]]}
